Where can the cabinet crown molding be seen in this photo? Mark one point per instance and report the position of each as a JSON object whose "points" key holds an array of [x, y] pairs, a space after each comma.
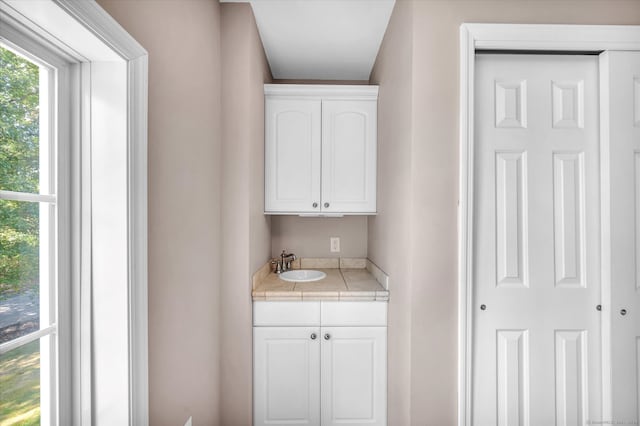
{"points": [[360, 92]]}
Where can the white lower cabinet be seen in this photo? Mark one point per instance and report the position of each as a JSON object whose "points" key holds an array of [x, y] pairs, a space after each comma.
{"points": [[320, 375]]}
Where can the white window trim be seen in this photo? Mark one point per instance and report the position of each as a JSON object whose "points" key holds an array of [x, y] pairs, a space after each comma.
{"points": [[85, 32], [507, 37]]}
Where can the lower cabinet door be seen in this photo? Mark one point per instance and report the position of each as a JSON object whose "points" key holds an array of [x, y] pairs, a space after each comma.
{"points": [[354, 376], [286, 376]]}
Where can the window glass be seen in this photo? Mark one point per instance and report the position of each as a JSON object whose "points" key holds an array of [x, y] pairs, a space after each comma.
{"points": [[28, 242], [20, 385], [19, 123], [19, 269]]}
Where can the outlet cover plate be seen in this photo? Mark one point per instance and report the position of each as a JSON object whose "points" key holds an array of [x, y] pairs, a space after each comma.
{"points": [[335, 244]]}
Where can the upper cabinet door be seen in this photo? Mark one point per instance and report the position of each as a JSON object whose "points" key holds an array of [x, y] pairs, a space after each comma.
{"points": [[349, 144], [292, 153]]}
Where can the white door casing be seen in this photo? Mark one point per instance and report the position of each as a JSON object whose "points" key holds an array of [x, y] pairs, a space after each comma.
{"points": [[536, 254], [539, 38], [620, 82]]}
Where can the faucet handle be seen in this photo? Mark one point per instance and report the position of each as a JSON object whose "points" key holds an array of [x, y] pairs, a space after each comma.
{"points": [[276, 265]]}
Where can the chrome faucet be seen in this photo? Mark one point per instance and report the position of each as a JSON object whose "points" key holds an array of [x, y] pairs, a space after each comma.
{"points": [[287, 258], [284, 263]]}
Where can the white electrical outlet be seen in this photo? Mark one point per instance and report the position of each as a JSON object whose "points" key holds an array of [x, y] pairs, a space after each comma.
{"points": [[335, 244]]}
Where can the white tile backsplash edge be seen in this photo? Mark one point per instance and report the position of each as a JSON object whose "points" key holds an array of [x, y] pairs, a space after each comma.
{"points": [[260, 275], [379, 274]]}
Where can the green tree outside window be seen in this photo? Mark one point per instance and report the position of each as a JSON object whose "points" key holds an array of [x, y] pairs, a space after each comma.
{"points": [[19, 171]]}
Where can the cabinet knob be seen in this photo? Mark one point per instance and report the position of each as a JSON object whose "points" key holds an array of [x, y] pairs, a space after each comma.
{"points": [[315, 205], [313, 336], [327, 336], [623, 312], [326, 204]]}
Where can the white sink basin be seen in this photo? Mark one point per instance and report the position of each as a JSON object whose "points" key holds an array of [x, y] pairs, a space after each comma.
{"points": [[302, 275]]}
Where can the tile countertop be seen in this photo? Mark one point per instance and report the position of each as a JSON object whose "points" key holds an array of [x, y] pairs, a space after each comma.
{"points": [[347, 280]]}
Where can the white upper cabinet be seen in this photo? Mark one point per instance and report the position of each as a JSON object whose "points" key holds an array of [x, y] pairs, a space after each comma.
{"points": [[320, 149]]}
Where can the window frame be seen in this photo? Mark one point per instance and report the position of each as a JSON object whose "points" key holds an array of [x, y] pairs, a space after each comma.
{"points": [[109, 365]]}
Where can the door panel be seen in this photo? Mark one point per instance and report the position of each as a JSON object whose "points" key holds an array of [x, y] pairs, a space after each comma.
{"points": [[292, 152], [621, 73], [511, 225], [513, 377], [568, 214], [571, 377], [286, 376], [536, 347]]}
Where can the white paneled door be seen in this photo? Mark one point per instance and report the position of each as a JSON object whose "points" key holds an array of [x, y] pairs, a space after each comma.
{"points": [[536, 345], [621, 226]]}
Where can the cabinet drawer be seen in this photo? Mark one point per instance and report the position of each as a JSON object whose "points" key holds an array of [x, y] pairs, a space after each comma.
{"points": [[354, 314], [286, 313]]}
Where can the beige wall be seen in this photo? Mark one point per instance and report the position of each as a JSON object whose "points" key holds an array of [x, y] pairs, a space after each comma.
{"points": [[309, 236], [198, 234], [389, 232], [429, 292], [245, 228], [202, 232], [184, 199]]}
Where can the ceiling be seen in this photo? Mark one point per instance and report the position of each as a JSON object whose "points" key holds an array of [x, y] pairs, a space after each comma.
{"points": [[321, 39]]}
